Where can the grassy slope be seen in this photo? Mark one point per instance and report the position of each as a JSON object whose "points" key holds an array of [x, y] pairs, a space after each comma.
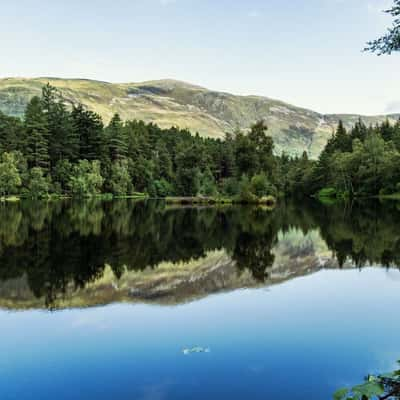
{"points": [[172, 103]]}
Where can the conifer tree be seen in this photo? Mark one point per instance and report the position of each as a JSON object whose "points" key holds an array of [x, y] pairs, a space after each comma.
{"points": [[88, 126], [62, 138], [117, 141], [12, 135], [37, 149], [342, 140]]}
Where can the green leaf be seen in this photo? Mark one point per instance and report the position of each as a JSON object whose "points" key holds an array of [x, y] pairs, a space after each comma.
{"points": [[369, 389]]}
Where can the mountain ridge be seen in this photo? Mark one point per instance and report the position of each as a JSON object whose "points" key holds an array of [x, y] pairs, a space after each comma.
{"points": [[170, 102]]}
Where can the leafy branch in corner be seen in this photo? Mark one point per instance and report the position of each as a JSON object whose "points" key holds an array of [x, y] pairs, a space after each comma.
{"points": [[380, 387], [391, 41]]}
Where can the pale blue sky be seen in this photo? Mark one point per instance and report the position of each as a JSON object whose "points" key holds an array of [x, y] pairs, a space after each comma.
{"points": [[307, 52]]}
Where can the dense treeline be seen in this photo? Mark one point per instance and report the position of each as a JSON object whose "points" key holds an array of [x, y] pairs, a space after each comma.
{"points": [[364, 162], [58, 151]]}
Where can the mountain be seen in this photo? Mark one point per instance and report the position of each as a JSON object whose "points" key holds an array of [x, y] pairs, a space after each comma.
{"points": [[173, 103]]}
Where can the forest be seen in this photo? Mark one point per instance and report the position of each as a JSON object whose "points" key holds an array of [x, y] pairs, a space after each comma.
{"points": [[62, 150]]}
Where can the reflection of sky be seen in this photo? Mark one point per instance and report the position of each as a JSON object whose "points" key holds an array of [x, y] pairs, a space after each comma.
{"points": [[299, 340]]}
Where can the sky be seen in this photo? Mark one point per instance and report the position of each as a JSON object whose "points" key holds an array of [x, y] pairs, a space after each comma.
{"points": [[305, 52]]}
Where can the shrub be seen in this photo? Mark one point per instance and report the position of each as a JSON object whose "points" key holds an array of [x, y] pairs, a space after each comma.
{"points": [[230, 187], [38, 184], [163, 188], [260, 186], [120, 181], [86, 179]]}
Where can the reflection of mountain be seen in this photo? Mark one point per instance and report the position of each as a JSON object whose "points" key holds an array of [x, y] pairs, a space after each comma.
{"points": [[167, 284], [81, 254]]}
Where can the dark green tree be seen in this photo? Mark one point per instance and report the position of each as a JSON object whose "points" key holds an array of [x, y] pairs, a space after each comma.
{"points": [[12, 134], [246, 156], [117, 140], [188, 173], [10, 179], [264, 146], [38, 184], [37, 147], [88, 126], [62, 138]]}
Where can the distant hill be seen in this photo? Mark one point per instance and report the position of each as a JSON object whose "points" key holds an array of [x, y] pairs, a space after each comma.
{"points": [[173, 103]]}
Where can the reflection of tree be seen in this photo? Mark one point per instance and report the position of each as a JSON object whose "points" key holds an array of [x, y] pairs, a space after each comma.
{"points": [[365, 234], [58, 245], [257, 234], [253, 252]]}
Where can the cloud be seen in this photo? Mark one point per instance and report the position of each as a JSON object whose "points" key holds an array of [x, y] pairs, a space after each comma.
{"points": [[254, 14], [90, 322], [167, 2], [393, 107]]}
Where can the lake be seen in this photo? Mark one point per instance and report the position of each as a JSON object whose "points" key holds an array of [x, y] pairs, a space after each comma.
{"points": [[99, 300]]}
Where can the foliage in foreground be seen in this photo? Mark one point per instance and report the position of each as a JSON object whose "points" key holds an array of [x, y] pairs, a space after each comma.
{"points": [[391, 41], [385, 386]]}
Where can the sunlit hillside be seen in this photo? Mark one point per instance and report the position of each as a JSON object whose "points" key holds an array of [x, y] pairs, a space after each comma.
{"points": [[173, 103]]}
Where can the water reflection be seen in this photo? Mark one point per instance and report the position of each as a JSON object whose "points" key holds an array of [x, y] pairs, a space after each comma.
{"points": [[125, 250]]}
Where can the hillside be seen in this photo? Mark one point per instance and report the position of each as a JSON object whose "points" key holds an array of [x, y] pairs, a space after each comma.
{"points": [[173, 103]]}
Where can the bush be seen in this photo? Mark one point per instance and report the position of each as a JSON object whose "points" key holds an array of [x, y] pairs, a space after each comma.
{"points": [[120, 181], [230, 187], [38, 184], [86, 179], [260, 186], [163, 188], [10, 179], [245, 192], [208, 186]]}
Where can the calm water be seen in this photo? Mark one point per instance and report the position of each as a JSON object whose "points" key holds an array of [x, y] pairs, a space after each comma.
{"points": [[97, 300]]}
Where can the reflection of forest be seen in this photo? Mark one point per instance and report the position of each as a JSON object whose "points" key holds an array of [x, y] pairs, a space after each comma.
{"points": [[56, 244]]}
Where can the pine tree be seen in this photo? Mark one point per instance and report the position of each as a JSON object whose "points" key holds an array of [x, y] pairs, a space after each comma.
{"points": [[396, 135], [62, 138], [187, 176], [264, 146], [88, 126], [342, 141], [228, 161], [12, 135], [163, 162], [246, 155], [117, 139], [386, 130], [359, 131], [37, 149]]}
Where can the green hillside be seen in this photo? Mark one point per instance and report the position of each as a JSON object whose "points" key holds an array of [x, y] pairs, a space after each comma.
{"points": [[173, 103]]}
